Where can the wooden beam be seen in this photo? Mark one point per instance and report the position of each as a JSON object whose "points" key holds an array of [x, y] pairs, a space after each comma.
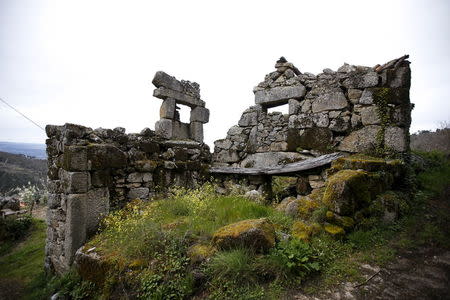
{"points": [[291, 168]]}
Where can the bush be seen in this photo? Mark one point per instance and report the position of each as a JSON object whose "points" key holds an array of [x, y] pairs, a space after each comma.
{"points": [[13, 229]]}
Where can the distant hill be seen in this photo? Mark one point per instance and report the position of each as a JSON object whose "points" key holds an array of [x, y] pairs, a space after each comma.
{"points": [[28, 149], [17, 170], [429, 140]]}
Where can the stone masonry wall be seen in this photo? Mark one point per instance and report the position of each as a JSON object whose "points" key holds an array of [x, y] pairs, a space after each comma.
{"points": [[93, 171], [354, 109]]}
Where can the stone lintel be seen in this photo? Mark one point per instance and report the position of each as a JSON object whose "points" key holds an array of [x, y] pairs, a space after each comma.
{"points": [[181, 98], [279, 95], [162, 79]]}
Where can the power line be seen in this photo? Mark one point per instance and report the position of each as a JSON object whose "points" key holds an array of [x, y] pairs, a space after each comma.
{"points": [[17, 111]]}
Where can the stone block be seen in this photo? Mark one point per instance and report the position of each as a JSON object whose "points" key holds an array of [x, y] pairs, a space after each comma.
{"points": [[223, 144], [300, 121], [181, 130], [196, 131], [315, 138], [294, 106], [226, 156], [75, 231], [75, 182], [362, 140], [139, 177], [394, 78], [369, 116], [387, 95], [396, 138], [97, 207], [329, 101], [104, 156], [75, 158], [139, 193], [340, 124], [248, 119], [162, 79], [164, 93], [279, 95], [167, 109], [164, 128], [360, 80], [101, 178], [321, 119], [199, 114], [54, 201], [402, 115], [354, 95]]}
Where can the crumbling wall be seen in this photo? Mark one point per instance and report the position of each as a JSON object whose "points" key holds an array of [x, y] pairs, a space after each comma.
{"points": [[93, 171], [354, 109]]}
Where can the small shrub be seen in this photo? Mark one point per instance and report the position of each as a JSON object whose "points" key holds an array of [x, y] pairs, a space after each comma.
{"points": [[13, 229], [294, 257]]}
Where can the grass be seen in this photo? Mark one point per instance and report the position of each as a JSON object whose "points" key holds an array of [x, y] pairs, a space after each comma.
{"points": [[148, 245], [22, 262]]}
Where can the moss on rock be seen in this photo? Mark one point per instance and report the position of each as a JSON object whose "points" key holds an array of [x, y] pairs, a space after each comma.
{"points": [[349, 190], [256, 234], [198, 253], [305, 231], [334, 230]]}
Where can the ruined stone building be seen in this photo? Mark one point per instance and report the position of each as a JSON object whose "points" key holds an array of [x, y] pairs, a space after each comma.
{"points": [[352, 110]]}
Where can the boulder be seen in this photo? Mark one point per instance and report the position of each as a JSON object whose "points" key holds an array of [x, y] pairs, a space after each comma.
{"points": [[91, 266], [350, 190], [256, 234]]}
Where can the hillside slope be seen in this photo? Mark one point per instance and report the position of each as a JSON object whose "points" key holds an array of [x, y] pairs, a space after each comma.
{"points": [[17, 170]]}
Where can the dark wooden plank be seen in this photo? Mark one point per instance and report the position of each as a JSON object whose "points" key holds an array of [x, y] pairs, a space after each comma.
{"points": [[296, 167]]}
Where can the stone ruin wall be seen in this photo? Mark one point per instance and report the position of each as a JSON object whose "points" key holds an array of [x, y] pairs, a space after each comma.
{"points": [[93, 171], [355, 109]]}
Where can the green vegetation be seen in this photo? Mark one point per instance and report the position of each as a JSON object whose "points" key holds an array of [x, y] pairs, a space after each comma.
{"points": [[21, 260], [19, 170], [164, 249]]}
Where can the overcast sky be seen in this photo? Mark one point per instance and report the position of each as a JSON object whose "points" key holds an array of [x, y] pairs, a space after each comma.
{"points": [[92, 62]]}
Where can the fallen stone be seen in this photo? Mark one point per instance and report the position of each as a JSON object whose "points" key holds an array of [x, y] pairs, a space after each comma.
{"points": [[256, 234]]}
